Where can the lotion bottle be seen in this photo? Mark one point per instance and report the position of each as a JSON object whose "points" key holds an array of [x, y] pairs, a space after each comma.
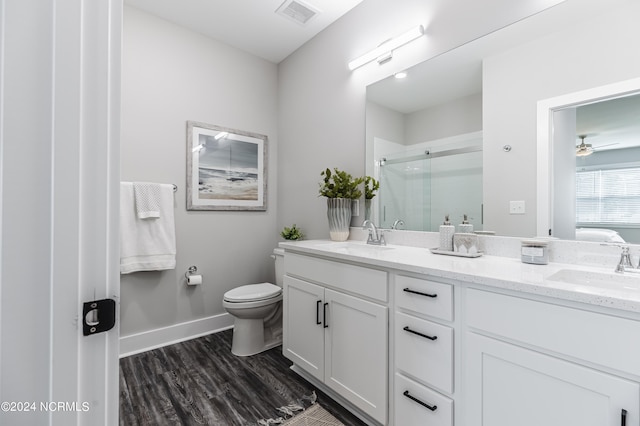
{"points": [[446, 235], [465, 226]]}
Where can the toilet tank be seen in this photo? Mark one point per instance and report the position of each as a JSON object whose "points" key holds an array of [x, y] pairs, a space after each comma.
{"points": [[278, 256]]}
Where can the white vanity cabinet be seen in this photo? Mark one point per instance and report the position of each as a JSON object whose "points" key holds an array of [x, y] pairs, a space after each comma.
{"points": [[336, 328], [532, 363], [423, 352]]}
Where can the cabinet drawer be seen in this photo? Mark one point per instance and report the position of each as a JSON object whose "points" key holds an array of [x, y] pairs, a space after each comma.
{"points": [[430, 361], [359, 280], [409, 412], [424, 297], [599, 338]]}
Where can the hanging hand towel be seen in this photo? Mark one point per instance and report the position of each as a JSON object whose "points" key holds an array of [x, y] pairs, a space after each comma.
{"points": [[147, 199], [146, 245]]}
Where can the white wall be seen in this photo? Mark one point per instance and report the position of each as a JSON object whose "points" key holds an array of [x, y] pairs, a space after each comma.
{"points": [[453, 118], [171, 75], [322, 104], [594, 53]]}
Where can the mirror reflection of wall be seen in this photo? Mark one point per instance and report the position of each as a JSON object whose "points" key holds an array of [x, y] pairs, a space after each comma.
{"points": [[599, 177]]}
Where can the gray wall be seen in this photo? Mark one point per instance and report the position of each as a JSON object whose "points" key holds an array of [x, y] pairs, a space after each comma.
{"points": [[171, 75], [453, 118], [594, 53], [322, 104]]}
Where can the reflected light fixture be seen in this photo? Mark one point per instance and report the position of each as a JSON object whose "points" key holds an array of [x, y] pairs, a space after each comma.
{"points": [[583, 149], [400, 75], [384, 52]]}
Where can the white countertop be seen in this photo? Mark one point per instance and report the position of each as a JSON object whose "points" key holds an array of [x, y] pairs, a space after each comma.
{"points": [[620, 291]]}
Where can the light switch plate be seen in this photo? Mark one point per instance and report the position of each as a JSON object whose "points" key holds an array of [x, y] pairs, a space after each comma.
{"points": [[516, 207]]}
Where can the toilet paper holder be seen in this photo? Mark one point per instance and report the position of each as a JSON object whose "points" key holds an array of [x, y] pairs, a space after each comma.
{"points": [[192, 270]]}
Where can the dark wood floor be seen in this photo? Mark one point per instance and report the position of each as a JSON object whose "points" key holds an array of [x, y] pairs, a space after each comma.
{"points": [[200, 382]]}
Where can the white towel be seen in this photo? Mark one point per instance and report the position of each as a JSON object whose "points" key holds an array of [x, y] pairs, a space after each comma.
{"points": [[146, 245], [147, 199]]}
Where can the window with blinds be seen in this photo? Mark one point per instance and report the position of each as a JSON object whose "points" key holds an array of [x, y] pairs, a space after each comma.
{"points": [[608, 196]]}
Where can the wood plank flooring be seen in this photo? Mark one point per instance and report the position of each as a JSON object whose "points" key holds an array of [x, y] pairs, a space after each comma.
{"points": [[200, 382]]}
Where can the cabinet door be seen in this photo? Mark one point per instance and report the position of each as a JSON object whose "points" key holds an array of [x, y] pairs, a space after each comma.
{"points": [[303, 315], [510, 385], [356, 352]]}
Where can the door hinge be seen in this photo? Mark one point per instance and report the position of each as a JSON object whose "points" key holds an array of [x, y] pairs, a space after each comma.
{"points": [[98, 316]]}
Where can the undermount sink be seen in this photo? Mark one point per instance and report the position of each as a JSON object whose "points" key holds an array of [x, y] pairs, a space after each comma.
{"points": [[628, 280], [356, 248]]}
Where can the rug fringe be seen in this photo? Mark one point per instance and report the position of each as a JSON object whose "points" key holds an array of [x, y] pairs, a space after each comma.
{"points": [[290, 410]]}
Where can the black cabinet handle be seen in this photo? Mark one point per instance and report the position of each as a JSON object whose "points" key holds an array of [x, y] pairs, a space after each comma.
{"points": [[324, 311], [420, 334], [424, 404], [623, 417], [318, 322], [408, 290]]}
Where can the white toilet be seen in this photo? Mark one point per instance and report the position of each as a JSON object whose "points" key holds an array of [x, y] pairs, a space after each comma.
{"points": [[257, 312]]}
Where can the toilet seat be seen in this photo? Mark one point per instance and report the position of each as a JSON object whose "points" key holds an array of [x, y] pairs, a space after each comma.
{"points": [[252, 293]]}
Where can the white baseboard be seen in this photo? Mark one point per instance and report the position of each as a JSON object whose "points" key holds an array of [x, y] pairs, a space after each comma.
{"points": [[153, 339]]}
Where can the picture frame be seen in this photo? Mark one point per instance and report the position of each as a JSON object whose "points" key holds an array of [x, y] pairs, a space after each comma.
{"points": [[226, 168]]}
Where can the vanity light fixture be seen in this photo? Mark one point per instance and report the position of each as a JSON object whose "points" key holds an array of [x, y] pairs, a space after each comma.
{"points": [[221, 135], [384, 52]]}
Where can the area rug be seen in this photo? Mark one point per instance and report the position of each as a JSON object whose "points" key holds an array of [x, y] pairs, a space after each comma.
{"points": [[304, 412], [313, 416]]}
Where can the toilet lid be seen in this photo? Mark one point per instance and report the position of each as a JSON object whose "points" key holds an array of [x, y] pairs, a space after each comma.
{"points": [[252, 292]]}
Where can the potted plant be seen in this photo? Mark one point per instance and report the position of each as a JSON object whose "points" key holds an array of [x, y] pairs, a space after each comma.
{"points": [[371, 186], [341, 189], [294, 233]]}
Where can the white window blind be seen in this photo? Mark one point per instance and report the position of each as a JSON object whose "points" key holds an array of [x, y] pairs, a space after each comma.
{"points": [[608, 196]]}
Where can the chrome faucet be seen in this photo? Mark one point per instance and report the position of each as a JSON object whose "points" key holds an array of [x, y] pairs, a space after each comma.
{"points": [[625, 261], [376, 236]]}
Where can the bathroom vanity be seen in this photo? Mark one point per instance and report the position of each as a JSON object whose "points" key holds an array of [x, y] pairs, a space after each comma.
{"points": [[405, 337]]}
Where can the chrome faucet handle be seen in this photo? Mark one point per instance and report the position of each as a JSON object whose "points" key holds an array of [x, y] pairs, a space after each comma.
{"points": [[625, 260]]}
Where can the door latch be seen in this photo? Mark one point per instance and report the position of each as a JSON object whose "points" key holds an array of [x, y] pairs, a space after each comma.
{"points": [[98, 316]]}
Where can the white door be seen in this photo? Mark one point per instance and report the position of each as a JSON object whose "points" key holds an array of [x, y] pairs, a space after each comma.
{"points": [[304, 322], [510, 385], [59, 173], [356, 352]]}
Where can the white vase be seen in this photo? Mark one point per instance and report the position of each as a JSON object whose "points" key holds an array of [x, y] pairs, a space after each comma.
{"points": [[339, 216]]}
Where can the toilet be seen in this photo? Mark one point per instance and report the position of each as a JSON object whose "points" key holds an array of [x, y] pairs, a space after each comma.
{"points": [[257, 312]]}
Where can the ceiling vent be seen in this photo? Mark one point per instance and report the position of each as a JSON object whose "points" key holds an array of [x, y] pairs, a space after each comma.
{"points": [[297, 11]]}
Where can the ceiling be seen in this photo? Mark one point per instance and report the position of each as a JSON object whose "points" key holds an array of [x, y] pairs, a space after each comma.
{"points": [[249, 25]]}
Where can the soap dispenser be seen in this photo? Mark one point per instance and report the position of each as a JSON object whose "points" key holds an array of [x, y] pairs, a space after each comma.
{"points": [[465, 226], [446, 234]]}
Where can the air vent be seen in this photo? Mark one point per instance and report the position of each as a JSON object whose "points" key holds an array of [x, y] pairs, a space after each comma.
{"points": [[297, 11]]}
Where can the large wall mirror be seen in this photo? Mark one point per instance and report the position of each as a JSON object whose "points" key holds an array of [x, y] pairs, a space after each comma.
{"points": [[454, 136]]}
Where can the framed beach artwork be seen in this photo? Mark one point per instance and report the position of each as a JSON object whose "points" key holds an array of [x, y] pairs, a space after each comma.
{"points": [[226, 168]]}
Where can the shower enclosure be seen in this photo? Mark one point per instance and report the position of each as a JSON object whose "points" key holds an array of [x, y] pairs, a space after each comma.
{"points": [[420, 186]]}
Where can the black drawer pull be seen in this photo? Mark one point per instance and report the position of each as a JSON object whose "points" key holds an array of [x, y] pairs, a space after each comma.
{"points": [[419, 334], [318, 322], [623, 417], [408, 290], [324, 312], [424, 404]]}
